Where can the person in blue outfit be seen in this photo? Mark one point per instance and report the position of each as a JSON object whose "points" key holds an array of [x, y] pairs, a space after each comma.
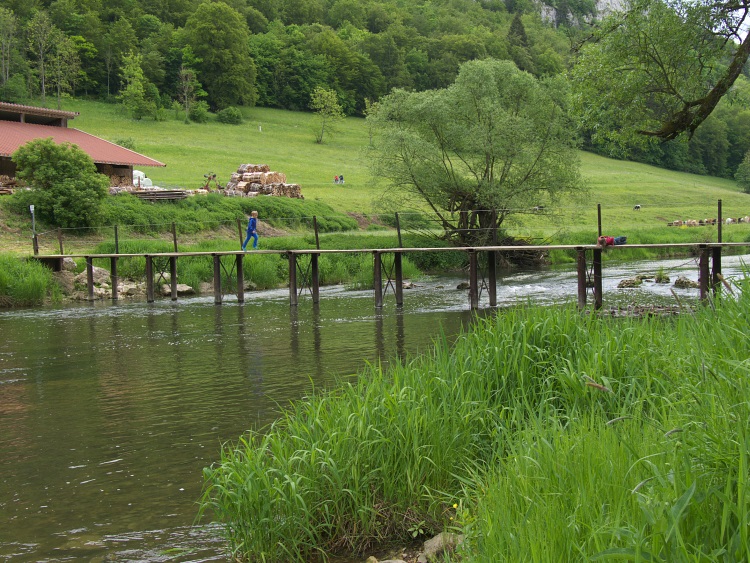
{"points": [[252, 225]]}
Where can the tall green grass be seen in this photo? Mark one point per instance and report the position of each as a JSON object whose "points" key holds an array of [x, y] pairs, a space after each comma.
{"points": [[558, 436], [25, 282]]}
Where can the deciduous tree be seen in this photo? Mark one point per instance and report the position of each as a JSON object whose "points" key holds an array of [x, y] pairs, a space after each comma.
{"points": [[494, 143], [658, 68], [66, 188], [218, 35], [40, 34], [325, 104], [8, 28], [64, 65]]}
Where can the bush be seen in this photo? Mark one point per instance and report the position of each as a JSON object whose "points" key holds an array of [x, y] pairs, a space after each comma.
{"points": [[199, 112], [127, 142], [230, 115], [66, 188]]}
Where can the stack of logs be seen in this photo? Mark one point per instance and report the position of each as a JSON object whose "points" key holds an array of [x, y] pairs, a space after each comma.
{"points": [[252, 180], [7, 184]]}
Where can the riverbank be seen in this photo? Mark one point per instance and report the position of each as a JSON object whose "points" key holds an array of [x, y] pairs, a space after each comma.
{"points": [[539, 432]]}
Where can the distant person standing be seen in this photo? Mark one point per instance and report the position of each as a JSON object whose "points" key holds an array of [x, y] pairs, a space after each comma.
{"points": [[341, 178], [335, 179], [252, 226]]}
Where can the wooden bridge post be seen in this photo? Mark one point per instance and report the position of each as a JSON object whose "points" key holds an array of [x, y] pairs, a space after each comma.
{"points": [[703, 277], [377, 279], [149, 278], [315, 275], [173, 276], [598, 278], [399, 272], [240, 279], [117, 241], [473, 279], [716, 263], [492, 277], [113, 277], [292, 279], [90, 276], [217, 279], [581, 267]]}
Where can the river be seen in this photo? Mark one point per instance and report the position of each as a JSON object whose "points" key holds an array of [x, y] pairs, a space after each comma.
{"points": [[110, 411]]}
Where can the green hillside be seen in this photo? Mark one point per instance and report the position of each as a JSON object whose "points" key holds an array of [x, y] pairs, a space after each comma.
{"points": [[284, 140]]}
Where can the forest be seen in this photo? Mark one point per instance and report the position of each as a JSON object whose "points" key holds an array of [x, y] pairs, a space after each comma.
{"points": [[204, 58]]}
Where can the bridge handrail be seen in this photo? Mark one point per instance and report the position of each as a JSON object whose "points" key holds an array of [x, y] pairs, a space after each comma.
{"points": [[400, 250]]}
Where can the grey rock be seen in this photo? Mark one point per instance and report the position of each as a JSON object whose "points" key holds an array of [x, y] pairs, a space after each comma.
{"points": [[684, 283], [630, 282], [100, 276], [444, 541], [69, 265]]}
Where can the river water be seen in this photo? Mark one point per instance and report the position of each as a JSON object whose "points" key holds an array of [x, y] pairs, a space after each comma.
{"points": [[109, 412]]}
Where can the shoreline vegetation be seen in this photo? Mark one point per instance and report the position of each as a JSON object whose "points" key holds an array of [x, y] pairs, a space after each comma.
{"points": [[25, 282], [542, 434]]}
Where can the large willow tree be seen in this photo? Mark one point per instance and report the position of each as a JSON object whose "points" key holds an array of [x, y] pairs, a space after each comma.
{"points": [[495, 143], [658, 68]]}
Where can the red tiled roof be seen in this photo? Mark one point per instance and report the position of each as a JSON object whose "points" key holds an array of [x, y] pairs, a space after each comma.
{"points": [[18, 108], [14, 134]]}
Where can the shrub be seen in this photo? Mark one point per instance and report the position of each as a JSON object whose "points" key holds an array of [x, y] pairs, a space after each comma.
{"points": [[127, 142], [67, 189], [230, 115], [199, 112]]}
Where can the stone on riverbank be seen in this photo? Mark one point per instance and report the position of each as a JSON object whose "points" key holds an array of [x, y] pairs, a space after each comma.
{"points": [[684, 283], [182, 290]]}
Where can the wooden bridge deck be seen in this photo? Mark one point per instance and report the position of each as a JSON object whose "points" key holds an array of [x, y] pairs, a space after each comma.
{"points": [[308, 275]]}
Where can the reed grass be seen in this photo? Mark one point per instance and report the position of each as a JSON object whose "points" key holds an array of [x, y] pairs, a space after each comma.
{"points": [[25, 282], [558, 436]]}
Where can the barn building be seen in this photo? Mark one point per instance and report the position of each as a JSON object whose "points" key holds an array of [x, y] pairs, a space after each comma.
{"points": [[20, 124]]}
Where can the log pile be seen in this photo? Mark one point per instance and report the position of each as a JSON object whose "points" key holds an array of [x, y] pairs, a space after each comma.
{"points": [[252, 180], [7, 184]]}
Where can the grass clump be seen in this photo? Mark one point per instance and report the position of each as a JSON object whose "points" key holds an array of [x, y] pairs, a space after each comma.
{"points": [[556, 436], [25, 282]]}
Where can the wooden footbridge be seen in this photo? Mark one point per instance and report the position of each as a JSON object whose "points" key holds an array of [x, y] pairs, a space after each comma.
{"points": [[304, 275]]}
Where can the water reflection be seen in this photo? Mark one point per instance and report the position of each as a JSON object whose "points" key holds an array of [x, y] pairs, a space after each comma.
{"points": [[109, 412]]}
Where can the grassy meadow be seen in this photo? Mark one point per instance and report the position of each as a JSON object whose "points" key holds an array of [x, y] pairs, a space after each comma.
{"points": [[286, 143]]}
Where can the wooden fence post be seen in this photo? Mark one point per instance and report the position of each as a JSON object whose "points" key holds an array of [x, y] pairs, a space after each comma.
{"points": [[377, 279], [598, 300], [473, 280], [114, 278], [292, 279], [217, 279], [581, 267], [240, 279]]}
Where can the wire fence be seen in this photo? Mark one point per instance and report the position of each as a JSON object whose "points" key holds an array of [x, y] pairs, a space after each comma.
{"points": [[592, 220]]}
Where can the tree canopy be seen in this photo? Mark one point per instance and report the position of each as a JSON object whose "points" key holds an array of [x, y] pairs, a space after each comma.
{"points": [[658, 68], [66, 188], [495, 143]]}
